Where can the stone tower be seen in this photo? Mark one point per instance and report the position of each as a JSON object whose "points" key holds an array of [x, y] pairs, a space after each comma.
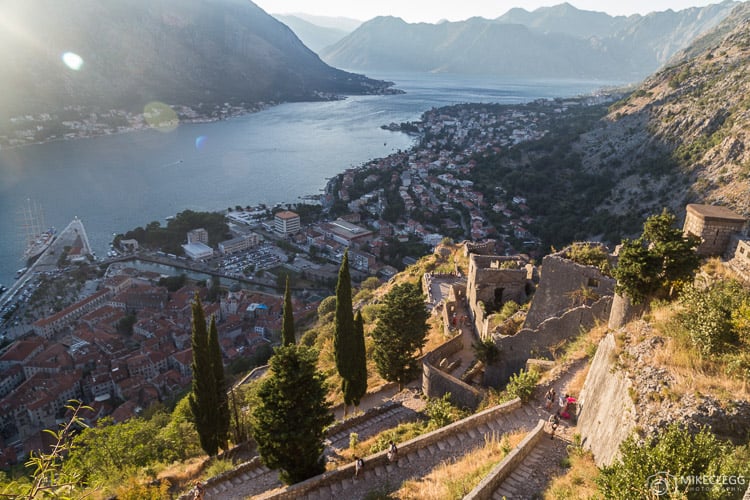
{"points": [[714, 225]]}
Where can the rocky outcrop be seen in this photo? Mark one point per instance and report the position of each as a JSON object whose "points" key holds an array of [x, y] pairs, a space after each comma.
{"points": [[628, 387]]}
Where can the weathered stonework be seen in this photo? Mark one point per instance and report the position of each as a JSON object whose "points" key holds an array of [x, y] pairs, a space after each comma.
{"points": [[492, 282], [564, 284], [714, 225]]}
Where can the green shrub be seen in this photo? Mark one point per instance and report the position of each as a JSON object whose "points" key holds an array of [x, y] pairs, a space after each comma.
{"points": [[522, 384], [713, 316], [442, 412], [668, 460]]}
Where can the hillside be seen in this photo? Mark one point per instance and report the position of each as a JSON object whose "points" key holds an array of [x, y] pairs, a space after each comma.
{"points": [[135, 51], [682, 135], [314, 36], [555, 42]]}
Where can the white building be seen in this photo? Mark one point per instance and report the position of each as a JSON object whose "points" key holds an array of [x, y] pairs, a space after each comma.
{"points": [[286, 222], [197, 251]]}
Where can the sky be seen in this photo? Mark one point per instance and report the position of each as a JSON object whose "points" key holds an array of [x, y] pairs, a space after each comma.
{"points": [[432, 11]]}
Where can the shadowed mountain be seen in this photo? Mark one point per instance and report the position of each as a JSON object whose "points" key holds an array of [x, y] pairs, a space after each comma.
{"points": [[316, 37], [682, 136], [175, 51]]}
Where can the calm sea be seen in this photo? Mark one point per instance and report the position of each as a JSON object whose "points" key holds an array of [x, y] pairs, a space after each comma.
{"points": [[115, 183]]}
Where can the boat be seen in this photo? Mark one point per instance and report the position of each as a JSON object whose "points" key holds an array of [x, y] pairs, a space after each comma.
{"points": [[21, 272], [40, 244]]}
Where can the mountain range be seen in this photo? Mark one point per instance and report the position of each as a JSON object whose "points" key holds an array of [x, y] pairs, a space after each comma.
{"points": [[551, 42], [175, 51], [318, 32], [682, 136]]}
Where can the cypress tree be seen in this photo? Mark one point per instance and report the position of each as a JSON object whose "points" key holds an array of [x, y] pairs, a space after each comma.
{"points": [[358, 384], [401, 331], [289, 419], [287, 322], [222, 402], [343, 334], [203, 403]]}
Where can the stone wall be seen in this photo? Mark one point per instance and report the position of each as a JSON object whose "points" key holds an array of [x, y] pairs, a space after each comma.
{"points": [[565, 284], [738, 256], [715, 226], [606, 410], [505, 468], [303, 488], [528, 343], [436, 383], [489, 285]]}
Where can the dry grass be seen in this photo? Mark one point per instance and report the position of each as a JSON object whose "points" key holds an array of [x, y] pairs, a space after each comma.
{"points": [[451, 481], [692, 372], [399, 434], [577, 482], [181, 475], [576, 383]]}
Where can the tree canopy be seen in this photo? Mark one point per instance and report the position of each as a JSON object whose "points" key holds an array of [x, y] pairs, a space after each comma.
{"points": [[291, 414], [400, 332], [657, 262]]}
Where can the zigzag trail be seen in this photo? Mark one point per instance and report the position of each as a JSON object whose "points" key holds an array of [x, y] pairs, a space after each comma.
{"points": [[420, 456]]}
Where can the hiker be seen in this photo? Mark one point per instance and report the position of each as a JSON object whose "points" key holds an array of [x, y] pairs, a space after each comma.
{"points": [[562, 403], [550, 397], [554, 422], [359, 464], [200, 490], [392, 451]]}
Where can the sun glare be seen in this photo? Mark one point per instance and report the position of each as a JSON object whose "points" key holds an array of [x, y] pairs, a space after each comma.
{"points": [[72, 60]]}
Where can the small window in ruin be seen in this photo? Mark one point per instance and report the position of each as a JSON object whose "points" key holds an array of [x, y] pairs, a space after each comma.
{"points": [[499, 296], [742, 250], [593, 283]]}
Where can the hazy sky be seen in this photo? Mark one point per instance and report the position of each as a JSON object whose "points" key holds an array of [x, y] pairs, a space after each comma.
{"points": [[457, 10]]}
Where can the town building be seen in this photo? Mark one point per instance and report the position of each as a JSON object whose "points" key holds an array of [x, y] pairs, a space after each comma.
{"points": [[198, 251], [346, 233], [239, 244], [286, 222], [199, 235]]}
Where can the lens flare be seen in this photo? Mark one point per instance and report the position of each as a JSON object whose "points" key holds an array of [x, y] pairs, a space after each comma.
{"points": [[200, 142], [160, 116], [72, 60]]}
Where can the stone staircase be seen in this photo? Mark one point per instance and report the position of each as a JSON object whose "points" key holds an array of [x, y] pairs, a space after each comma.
{"points": [[417, 457], [339, 439], [528, 475], [252, 478]]}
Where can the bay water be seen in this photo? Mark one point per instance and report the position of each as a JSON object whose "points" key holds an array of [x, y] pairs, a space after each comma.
{"points": [[118, 182]]}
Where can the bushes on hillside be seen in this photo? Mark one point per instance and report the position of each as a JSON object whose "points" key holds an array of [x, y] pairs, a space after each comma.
{"points": [[668, 465], [716, 316]]}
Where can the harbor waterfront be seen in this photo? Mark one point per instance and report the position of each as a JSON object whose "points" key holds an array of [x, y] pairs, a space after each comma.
{"points": [[118, 182]]}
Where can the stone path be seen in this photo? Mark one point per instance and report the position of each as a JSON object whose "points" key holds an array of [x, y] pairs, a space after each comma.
{"points": [[531, 476], [371, 427], [389, 477]]}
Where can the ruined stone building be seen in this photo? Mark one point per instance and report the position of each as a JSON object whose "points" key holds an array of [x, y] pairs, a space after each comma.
{"points": [[494, 280]]}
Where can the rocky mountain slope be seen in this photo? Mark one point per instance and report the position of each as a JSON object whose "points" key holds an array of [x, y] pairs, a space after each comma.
{"points": [[314, 36], [135, 51], [559, 41], [682, 136]]}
